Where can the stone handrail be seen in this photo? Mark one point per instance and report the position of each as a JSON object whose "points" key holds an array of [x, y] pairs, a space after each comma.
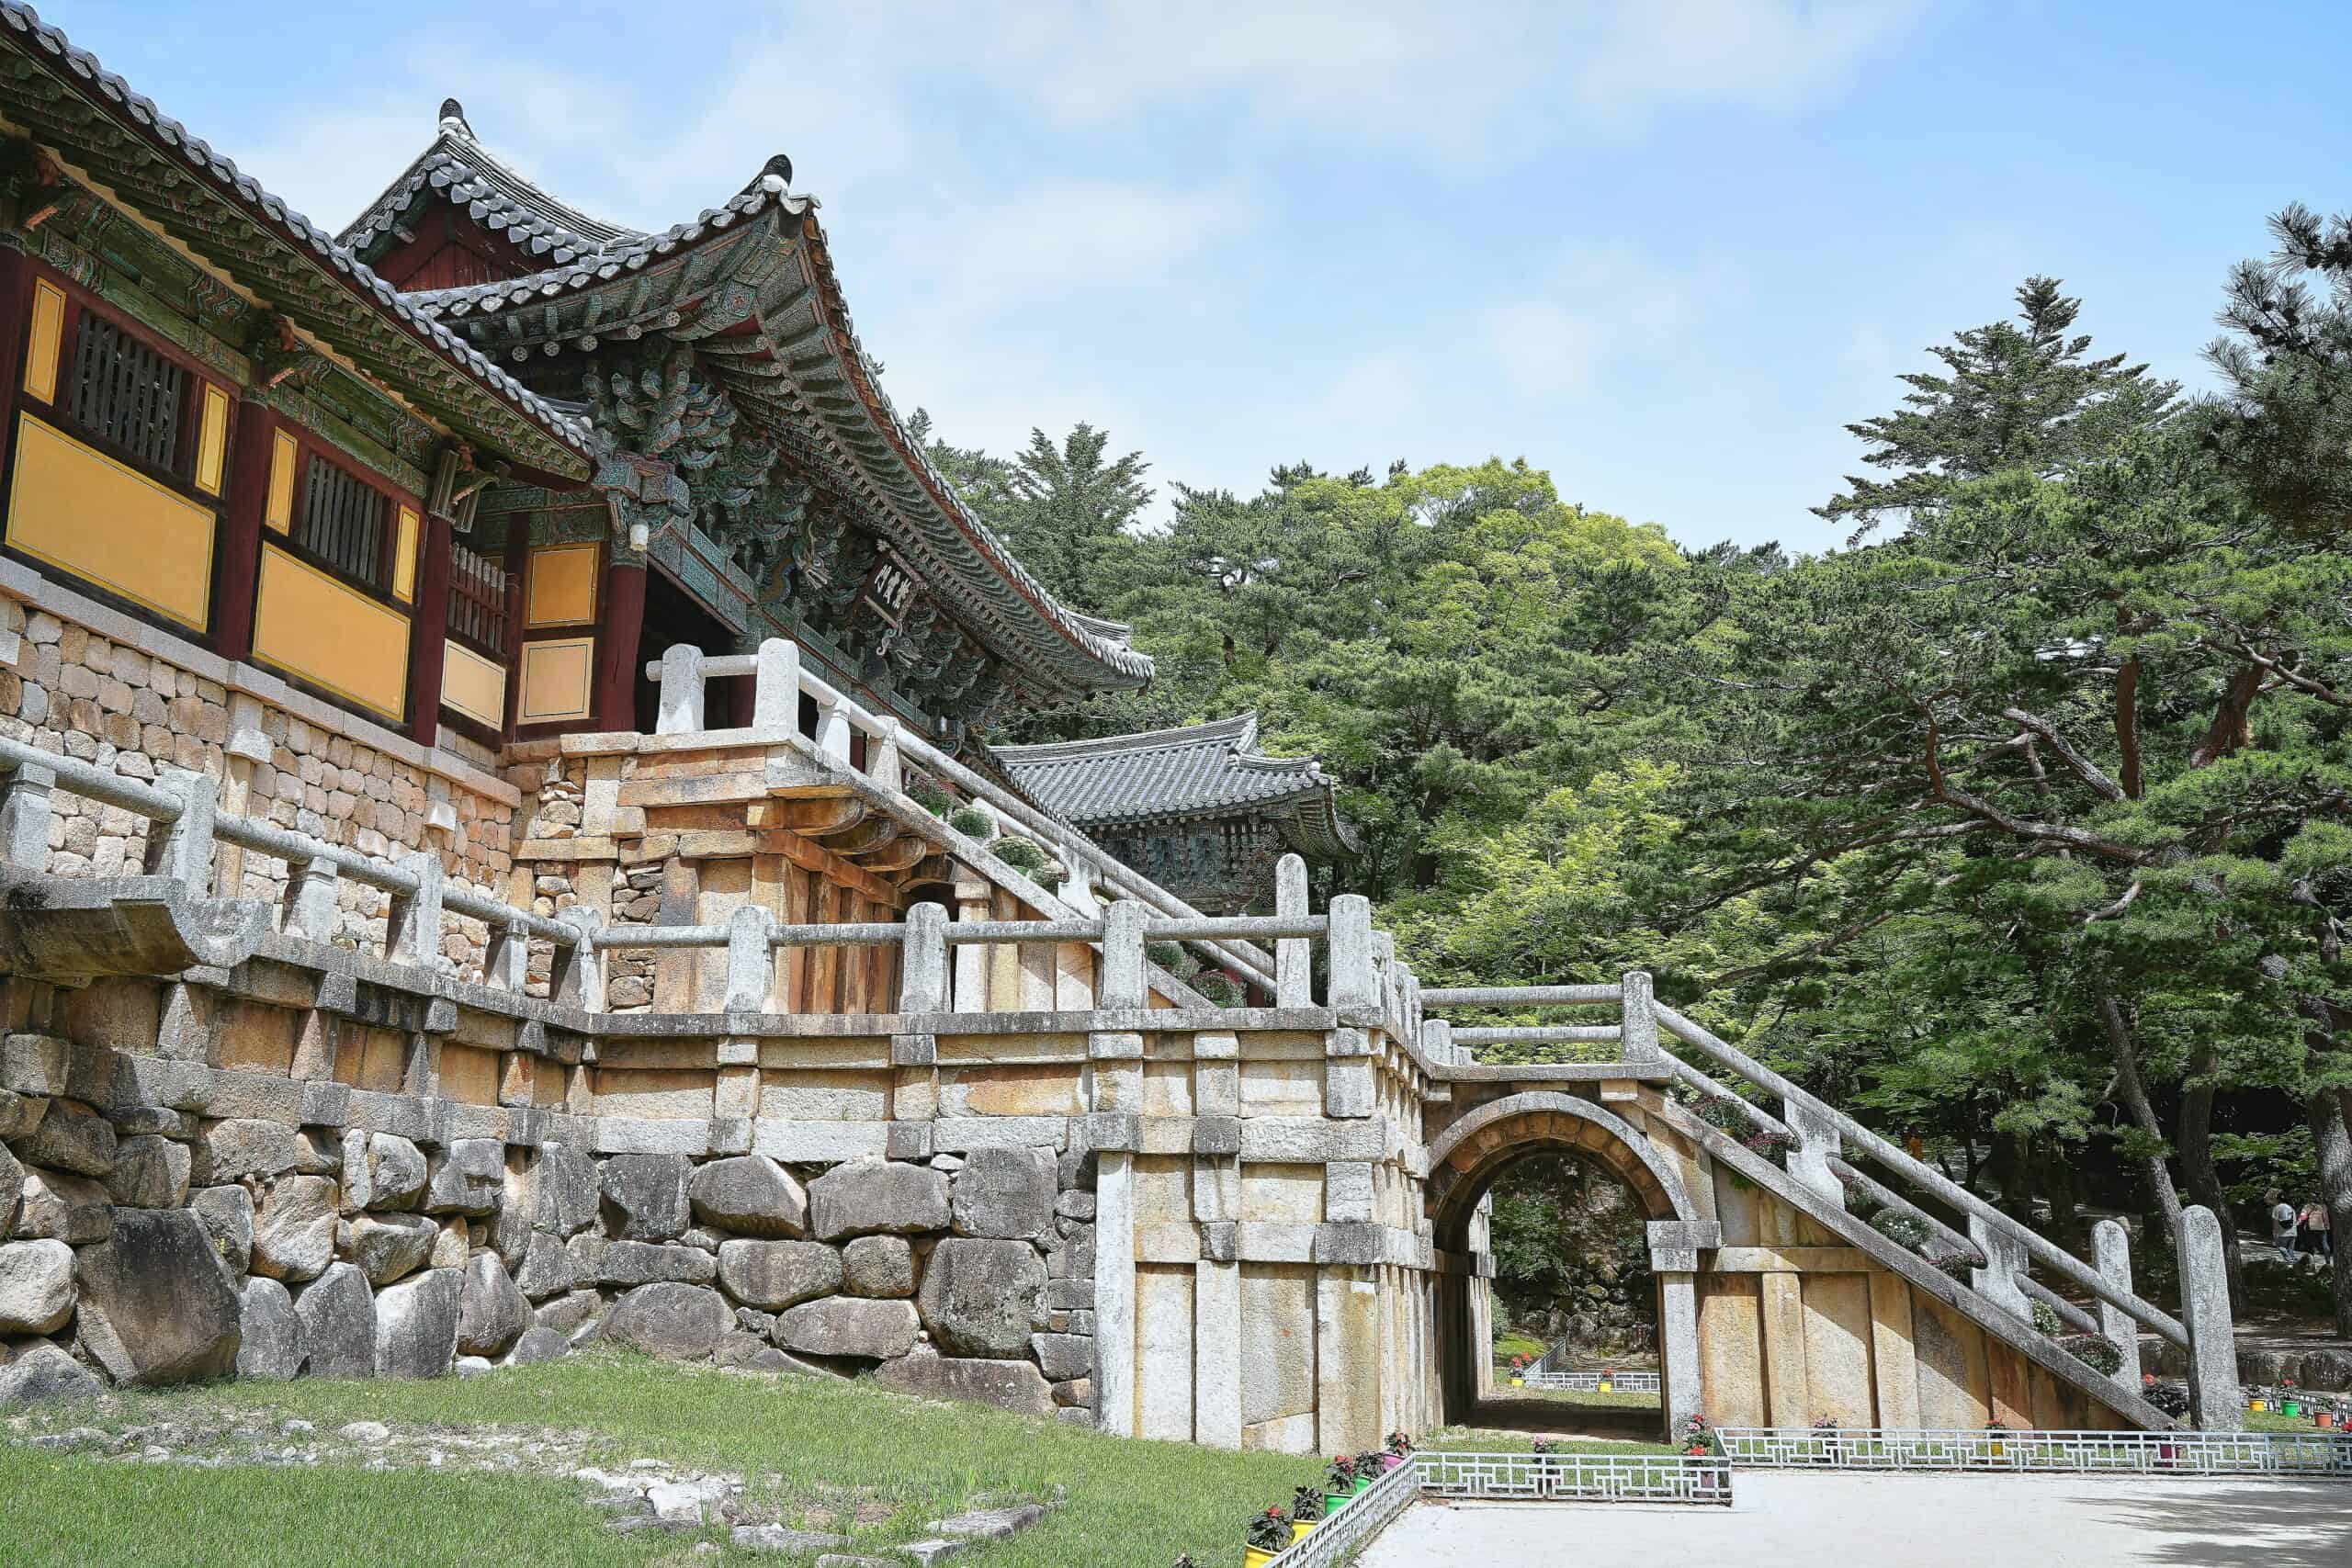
{"points": [[182, 808], [778, 679]]}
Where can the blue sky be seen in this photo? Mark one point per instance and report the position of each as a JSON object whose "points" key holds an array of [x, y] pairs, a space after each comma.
{"points": [[1664, 249]]}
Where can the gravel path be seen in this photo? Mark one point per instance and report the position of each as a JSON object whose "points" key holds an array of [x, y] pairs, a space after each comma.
{"points": [[1905, 1521]]}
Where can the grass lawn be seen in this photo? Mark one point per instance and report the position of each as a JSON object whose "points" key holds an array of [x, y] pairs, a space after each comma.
{"points": [[822, 1453], [1613, 1400], [1501, 1440]]}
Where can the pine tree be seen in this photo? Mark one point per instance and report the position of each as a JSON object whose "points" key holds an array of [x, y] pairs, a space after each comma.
{"points": [[1065, 506], [2285, 426], [2016, 397]]}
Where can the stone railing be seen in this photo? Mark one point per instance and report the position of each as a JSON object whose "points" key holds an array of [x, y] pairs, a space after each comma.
{"points": [[2001, 1251], [187, 828], [779, 680]]}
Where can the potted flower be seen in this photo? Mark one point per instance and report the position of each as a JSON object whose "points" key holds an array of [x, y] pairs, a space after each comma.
{"points": [[2289, 1402], [1268, 1534], [1699, 1441], [1400, 1451], [1305, 1511], [1547, 1466], [1339, 1484], [1608, 1379], [1825, 1437], [1518, 1368], [1998, 1431]]}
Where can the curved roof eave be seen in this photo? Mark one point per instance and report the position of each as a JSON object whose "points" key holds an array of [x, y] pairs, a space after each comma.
{"points": [[563, 446], [1097, 657]]}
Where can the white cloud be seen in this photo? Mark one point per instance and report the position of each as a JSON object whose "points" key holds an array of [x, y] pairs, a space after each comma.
{"points": [[1762, 54], [1601, 304]]}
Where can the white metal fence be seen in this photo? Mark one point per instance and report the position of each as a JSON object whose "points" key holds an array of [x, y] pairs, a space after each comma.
{"points": [[2180, 1453], [1579, 1478], [1339, 1537], [1588, 1382]]}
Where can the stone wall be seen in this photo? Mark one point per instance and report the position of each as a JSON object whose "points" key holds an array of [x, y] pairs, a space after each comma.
{"points": [[87, 682]]}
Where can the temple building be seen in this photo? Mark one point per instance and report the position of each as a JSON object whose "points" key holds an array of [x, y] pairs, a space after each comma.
{"points": [[1199, 810], [750, 480]]}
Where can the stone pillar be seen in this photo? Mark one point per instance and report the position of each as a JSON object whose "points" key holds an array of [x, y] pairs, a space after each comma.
{"points": [[1294, 956], [681, 710], [2214, 1401], [1115, 1292], [1216, 1349], [1675, 1245], [1347, 1360], [2111, 1251], [971, 958], [24, 816], [751, 960], [775, 687], [2004, 1261], [1639, 1034]]}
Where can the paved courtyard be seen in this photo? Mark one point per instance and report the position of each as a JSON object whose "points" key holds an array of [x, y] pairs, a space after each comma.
{"points": [[1905, 1521]]}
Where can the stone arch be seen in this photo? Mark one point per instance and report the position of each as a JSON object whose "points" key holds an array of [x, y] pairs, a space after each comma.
{"points": [[1474, 1148]]}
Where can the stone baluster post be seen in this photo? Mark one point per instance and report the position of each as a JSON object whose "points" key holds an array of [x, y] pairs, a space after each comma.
{"points": [[576, 976], [2005, 1260], [412, 929], [1637, 1031], [1294, 956], [313, 890], [506, 966], [2111, 1252], [923, 972], [834, 727], [1124, 983], [1675, 1245], [975, 901], [1355, 982], [884, 763], [680, 711], [775, 687], [182, 848], [1818, 1143], [2214, 1401], [24, 816], [751, 959]]}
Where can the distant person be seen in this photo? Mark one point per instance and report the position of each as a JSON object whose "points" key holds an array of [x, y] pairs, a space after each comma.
{"points": [[2282, 1224], [2319, 1232]]}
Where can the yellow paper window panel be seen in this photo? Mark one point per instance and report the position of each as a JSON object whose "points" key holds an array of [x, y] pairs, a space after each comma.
{"points": [[212, 440], [277, 510], [563, 586], [404, 557], [78, 508], [559, 678], [47, 339], [472, 685], [308, 624]]}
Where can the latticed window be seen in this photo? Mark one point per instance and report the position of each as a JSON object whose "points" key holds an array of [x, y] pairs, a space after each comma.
{"points": [[477, 600], [343, 523], [126, 393]]}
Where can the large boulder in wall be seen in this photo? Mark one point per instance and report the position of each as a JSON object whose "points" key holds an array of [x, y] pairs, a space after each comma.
{"points": [[154, 1306], [750, 1195], [1005, 1194], [870, 1197], [982, 1298], [679, 1322], [338, 1316], [493, 1312], [417, 1324], [645, 1197], [1009, 1385]]}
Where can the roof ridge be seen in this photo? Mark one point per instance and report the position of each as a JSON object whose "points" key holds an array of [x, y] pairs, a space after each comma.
{"points": [[1240, 726]]}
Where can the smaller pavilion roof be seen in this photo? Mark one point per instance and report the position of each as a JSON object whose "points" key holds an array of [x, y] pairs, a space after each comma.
{"points": [[1161, 775]]}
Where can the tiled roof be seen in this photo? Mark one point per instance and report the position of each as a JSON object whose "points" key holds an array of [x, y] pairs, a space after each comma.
{"points": [[1200, 769], [233, 192]]}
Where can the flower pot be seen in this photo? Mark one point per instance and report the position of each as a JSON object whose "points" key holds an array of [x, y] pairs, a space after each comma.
{"points": [[1606, 1386], [1255, 1557], [1390, 1462], [1519, 1382], [2290, 1408], [2257, 1405], [2323, 1420], [1335, 1501], [1363, 1485], [1298, 1528]]}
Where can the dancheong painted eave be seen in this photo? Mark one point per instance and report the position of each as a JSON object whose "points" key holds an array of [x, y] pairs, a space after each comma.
{"points": [[752, 284], [103, 130]]}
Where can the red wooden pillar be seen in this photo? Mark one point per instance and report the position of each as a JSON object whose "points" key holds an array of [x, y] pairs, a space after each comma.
{"points": [[518, 561], [618, 631], [15, 285], [428, 632], [244, 500]]}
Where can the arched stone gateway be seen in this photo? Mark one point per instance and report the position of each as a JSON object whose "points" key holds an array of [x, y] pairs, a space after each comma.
{"points": [[1464, 1162]]}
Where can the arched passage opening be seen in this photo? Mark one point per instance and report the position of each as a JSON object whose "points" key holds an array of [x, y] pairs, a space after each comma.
{"points": [[1466, 1163]]}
